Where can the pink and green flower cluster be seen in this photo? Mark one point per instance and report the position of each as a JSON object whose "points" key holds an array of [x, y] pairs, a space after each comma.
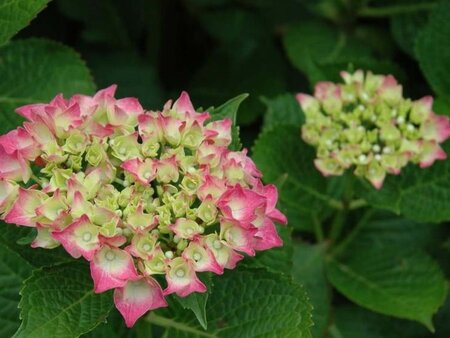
{"points": [[136, 193], [365, 123]]}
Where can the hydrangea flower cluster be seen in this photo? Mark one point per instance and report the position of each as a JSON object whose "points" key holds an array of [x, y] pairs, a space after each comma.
{"points": [[365, 123], [136, 193]]}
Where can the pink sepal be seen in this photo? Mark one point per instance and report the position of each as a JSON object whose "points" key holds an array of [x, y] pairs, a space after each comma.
{"points": [[24, 208], [202, 258], [137, 297], [267, 237], [111, 268], [181, 278], [241, 204], [80, 238]]}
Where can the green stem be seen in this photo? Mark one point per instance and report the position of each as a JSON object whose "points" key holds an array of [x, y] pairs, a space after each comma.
{"points": [[355, 231], [338, 224], [170, 323], [318, 231], [356, 204], [380, 12]]}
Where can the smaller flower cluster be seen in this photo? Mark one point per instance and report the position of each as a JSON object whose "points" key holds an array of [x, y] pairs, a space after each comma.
{"points": [[366, 123], [139, 194]]}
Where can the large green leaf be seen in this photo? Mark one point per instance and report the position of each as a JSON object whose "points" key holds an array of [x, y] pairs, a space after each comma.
{"points": [[405, 29], [350, 321], [285, 159], [419, 194], [13, 271], [310, 44], [11, 234], [433, 49], [309, 271], [246, 303], [60, 302], [282, 109], [17, 14], [386, 271], [33, 71]]}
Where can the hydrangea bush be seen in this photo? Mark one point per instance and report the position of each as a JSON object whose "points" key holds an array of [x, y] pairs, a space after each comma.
{"points": [[136, 193]]}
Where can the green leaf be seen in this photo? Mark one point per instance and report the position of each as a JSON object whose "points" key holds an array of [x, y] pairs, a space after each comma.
{"points": [[352, 321], [13, 271], [310, 44], [245, 303], [114, 327], [276, 259], [282, 109], [60, 302], [419, 194], [229, 110], [309, 271], [17, 14], [11, 234], [284, 158], [386, 271], [260, 72], [405, 28], [433, 49], [35, 71], [197, 301]]}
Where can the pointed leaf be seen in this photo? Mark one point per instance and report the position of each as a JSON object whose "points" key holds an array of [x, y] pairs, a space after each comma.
{"points": [[35, 71], [245, 303], [13, 271], [17, 14], [60, 302]]}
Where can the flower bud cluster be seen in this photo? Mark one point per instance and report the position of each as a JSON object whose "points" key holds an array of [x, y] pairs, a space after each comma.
{"points": [[365, 123], [136, 193]]}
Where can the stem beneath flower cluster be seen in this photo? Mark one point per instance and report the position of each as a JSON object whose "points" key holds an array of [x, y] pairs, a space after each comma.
{"points": [[318, 231], [170, 323], [380, 12], [355, 231]]}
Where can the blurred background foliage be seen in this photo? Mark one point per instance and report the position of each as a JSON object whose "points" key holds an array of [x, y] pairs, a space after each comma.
{"points": [[271, 49], [217, 49]]}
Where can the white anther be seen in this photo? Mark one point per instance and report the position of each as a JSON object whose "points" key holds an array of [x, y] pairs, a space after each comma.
{"points": [[378, 157], [361, 107], [365, 96], [400, 120], [122, 150], [376, 148], [361, 128], [394, 112], [169, 254], [387, 150], [410, 127], [147, 175], [180, 273], [110, 255], [373, 118], [118, 212], [189, 231], [146, 247], [362, 158], [191, 170], [197, 256], [87, 236]]}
